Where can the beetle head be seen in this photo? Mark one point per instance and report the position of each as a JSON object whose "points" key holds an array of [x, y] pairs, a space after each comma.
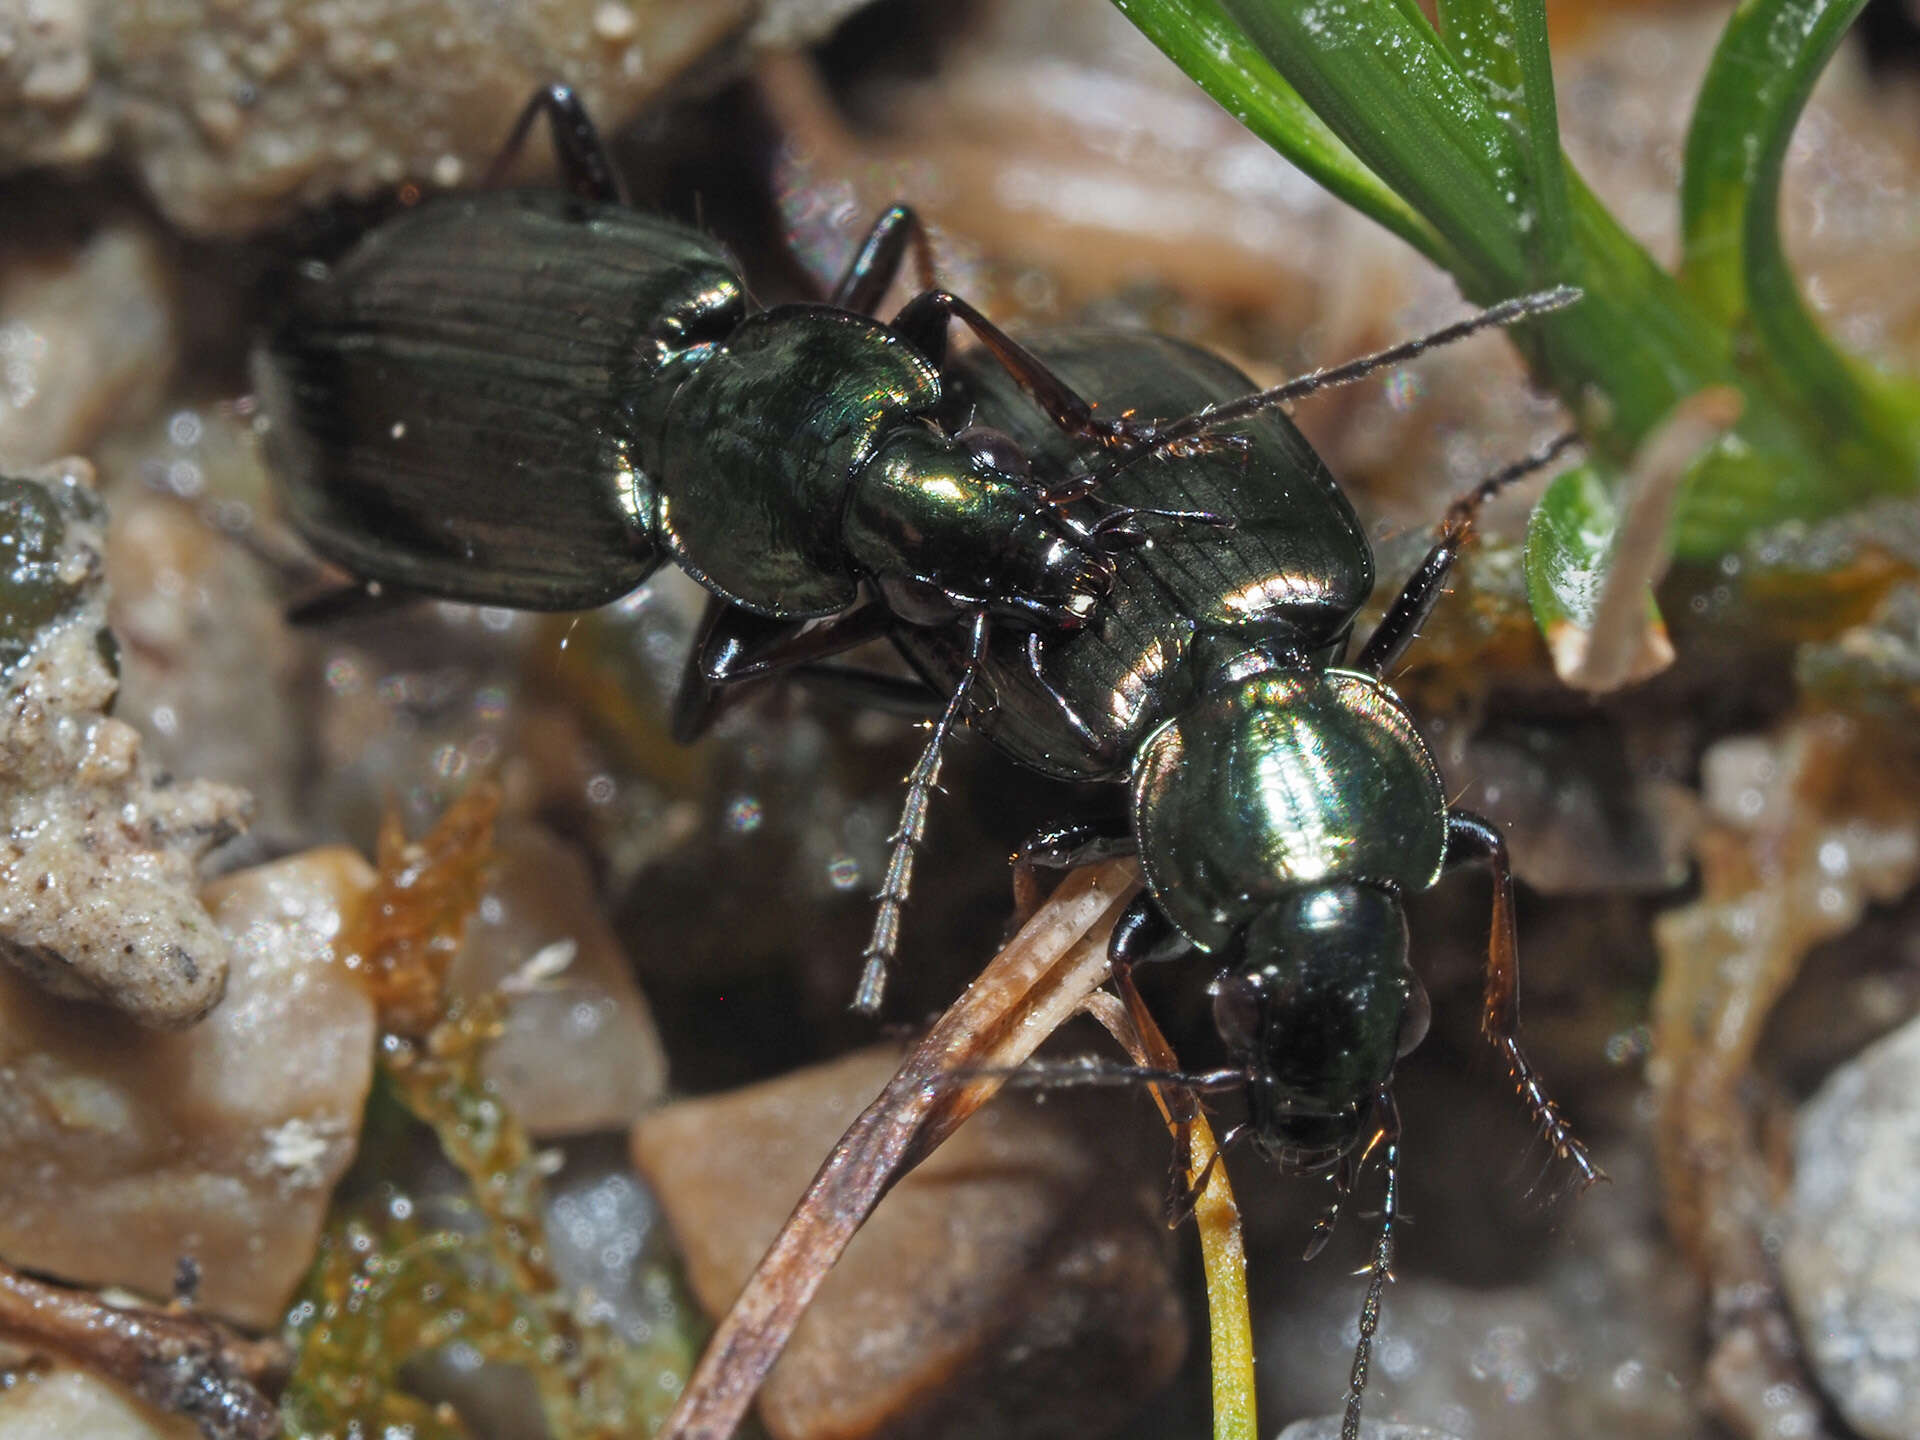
{"points": [[946, 524], [1318, 1006]]}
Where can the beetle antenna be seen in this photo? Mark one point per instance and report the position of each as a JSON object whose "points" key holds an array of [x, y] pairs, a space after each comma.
{"points": [[1157, 438], [922, 780], [1086, 1072], [1381, 1271]]}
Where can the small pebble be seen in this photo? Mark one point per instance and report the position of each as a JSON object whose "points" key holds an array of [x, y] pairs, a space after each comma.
{"points": [[67, 1404], [1015, 1285], [1851, 1259], [123, 1150]]}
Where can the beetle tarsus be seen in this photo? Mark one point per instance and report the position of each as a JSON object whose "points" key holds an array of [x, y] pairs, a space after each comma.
{"points": [[1472, 840], [876, 264], [1410, 608]]}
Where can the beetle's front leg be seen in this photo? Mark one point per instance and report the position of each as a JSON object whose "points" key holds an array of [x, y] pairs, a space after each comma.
{"points": [[876, 264], [923, 324], [736, 646], [1425, 586], [1473, 841]]}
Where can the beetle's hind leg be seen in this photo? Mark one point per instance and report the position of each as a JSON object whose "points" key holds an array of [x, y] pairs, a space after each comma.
{"points": [[923, 322], [1474, 841], [577, 146], [1424, 587]]}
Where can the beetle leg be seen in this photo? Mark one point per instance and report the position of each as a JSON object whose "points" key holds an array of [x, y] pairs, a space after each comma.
{"points": [[1474, 841], [577, 146], [923, 324], [875, 690], [1341, 1179], [1080, 842], [1143, 935], [1101, 748], [921, 783], [736, 646], [876, 264], [1424, 587]]}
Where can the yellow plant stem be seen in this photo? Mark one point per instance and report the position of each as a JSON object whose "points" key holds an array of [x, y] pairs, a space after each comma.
{"points": [[1223, 1251]]}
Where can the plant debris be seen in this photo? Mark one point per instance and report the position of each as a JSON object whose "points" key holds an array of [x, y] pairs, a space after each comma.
{"points": [[387, 1287], [1035, 984], [174, 1359]]}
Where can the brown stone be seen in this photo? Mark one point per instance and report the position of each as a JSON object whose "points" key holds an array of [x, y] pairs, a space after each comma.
{"points": [[1013, 1285], [65, 1404], [123, 1149], [579, 1050]]}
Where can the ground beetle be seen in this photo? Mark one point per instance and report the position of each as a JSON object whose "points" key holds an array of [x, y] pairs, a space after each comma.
{"points": [[533, 399], [1282, 802]]}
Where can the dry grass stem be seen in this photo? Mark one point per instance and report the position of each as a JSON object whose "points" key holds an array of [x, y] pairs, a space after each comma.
{"points": [[175, 1360]]}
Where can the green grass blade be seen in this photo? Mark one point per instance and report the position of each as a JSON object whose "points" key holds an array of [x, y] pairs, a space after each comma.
{"points": [[1376, 72], [1568, 539], [1572, 538], [1734, 263], [1199, 37], [1762, 72], [1502, 44]]}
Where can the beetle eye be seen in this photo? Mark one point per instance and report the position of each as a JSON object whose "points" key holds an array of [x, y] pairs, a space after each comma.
{"points": [[1239, 1008], [996, 450], [1414, 1019]]}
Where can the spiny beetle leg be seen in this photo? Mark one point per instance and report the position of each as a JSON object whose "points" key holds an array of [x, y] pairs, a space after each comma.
{"points": [[923, 324], [901, 695], [1065, 847], [1424, 587], [351, 600], [577, 147], [1474, 841]]}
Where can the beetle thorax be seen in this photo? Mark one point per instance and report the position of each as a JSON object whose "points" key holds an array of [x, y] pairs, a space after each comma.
{"points": [[1281, 777]]}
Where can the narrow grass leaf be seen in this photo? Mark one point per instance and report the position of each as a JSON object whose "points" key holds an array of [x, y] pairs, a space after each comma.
{"points": [[1765, 67], [1217, 56], [1502, 45], [1376, 73]]}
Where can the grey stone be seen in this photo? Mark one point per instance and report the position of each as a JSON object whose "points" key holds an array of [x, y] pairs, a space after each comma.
{"points": [[1850, 1262]]}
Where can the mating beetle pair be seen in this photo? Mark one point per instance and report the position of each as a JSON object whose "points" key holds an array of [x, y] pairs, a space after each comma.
{"points": [[533, 399]]}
